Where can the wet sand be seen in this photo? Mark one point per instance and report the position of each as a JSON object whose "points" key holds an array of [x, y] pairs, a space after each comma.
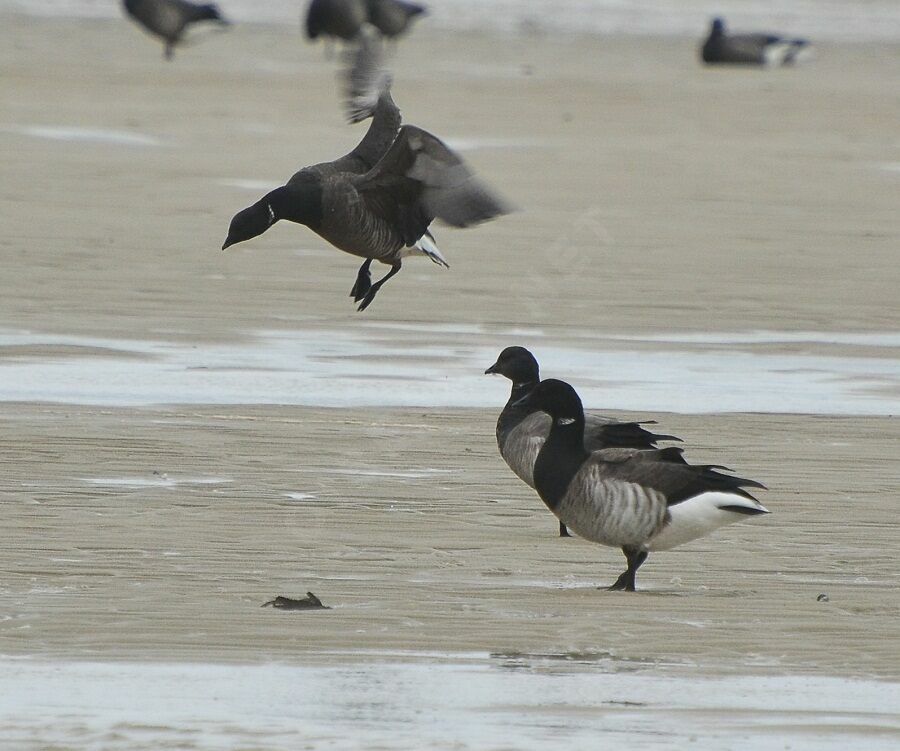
{"points": [[655, 196]]}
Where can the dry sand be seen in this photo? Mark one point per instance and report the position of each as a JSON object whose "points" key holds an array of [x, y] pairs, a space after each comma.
{"points": [[655, 196]]}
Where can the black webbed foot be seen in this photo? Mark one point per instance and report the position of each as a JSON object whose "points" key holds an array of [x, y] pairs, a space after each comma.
{"points": [[563, 530], [625, 582], [373, 289], [369, 296], [363, 282]]}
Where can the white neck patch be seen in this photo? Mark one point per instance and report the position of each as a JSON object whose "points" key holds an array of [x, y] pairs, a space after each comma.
{"points": [[565, 421], [271, 213]]}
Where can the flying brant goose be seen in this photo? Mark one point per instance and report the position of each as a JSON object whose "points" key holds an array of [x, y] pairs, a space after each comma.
{"points": [[377, 202], [721, 47], [639, 501], [521, 430], [392, 17], [168, 19]]}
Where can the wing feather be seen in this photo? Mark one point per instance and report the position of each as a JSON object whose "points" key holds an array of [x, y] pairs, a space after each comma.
{"points": [[420, 178]]}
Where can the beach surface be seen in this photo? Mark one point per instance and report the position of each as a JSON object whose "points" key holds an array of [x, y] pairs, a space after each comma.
{"points": [[187, 433]]}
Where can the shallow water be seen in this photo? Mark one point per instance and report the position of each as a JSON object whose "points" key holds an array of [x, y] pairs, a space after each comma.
{"points": [[442, 366], [580, 701]]}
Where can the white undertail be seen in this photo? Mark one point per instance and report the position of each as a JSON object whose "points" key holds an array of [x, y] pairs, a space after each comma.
{"points": [[426, 247], [700, 515]]}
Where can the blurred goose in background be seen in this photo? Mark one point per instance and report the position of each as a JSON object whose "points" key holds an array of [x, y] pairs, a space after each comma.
{"points": [[393, 17], [377, 202], [748, 49], [522, 430], [337, 19], [169, 19], [634, 500]]}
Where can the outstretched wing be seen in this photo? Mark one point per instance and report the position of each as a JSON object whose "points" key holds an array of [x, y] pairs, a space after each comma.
{"points": [[365, 78], [420, 178]]}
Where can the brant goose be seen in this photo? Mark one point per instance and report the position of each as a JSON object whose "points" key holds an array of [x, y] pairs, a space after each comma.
{"points": [[639, 501], [521, 430], [339, 19], [168, 19], [392, 17], [748, 49], [377, 202]]}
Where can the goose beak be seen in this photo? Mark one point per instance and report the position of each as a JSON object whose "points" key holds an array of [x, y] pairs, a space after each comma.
{"points": [[492, 369]]}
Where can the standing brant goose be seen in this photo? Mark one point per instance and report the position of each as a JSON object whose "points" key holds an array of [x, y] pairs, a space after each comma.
{"points": [[339, 19], [522, 430], [721, 47], [168, 19], [631, 499], [393, 17], [377, 201]]}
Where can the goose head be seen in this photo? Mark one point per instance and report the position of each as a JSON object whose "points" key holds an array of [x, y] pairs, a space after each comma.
{"points": [[250, 223], [517, 364]]}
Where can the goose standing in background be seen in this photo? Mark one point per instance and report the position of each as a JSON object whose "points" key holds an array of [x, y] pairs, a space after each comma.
{"points": [[393, 17], [522, 430], [377, 204], [338, 19], [168, 19], [721, 47], [627, 498]]}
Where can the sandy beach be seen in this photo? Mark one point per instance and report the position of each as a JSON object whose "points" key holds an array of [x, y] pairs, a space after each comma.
{"points": [[665, 211]]}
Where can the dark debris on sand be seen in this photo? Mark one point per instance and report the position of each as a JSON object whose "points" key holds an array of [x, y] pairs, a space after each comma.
{"points": [[310, 602]]}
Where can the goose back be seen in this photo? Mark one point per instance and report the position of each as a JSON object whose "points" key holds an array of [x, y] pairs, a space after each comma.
{"points": [[520, 436], [169, 18], [336, 18]]}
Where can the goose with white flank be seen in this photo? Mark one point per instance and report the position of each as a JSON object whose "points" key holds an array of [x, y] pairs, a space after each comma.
{"points": [[723, 48], [377, 204], [628, 498], [521, 430], [169, 19]]}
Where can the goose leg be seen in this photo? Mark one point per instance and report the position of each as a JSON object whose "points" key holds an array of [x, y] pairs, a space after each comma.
{"points": [[625, 582], [563, 531], [370, 295], [169, 49], [363, 282]]}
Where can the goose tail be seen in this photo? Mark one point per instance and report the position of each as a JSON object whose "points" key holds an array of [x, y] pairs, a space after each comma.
{"points": [[786, 52], [425, 246], [702, 514]]}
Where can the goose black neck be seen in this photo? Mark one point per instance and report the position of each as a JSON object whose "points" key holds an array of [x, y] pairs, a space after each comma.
{"points": [[511, 415], [297, 203], [560, 458]]}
